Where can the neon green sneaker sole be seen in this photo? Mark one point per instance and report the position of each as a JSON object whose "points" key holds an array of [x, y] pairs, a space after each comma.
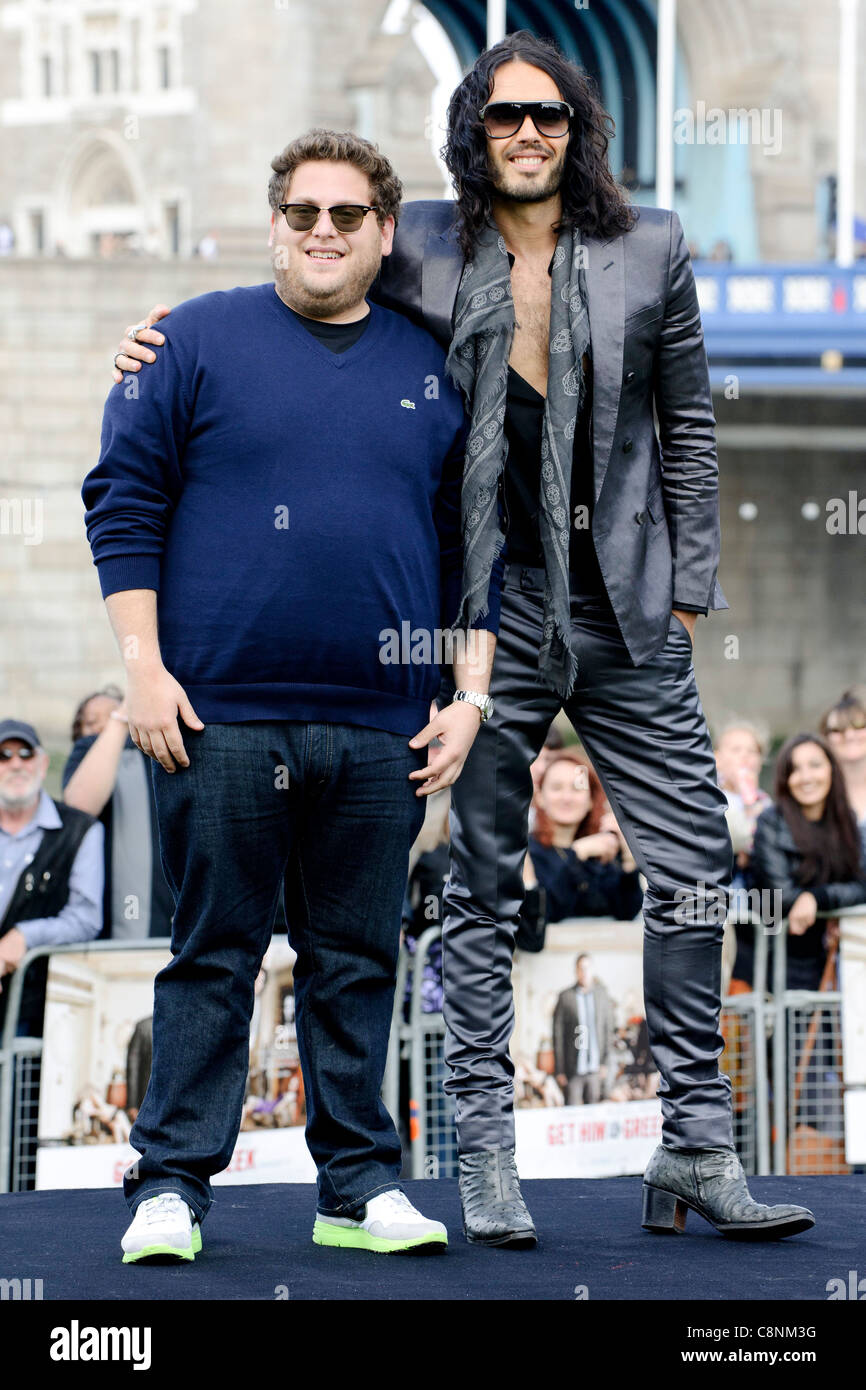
{"points": [[356, 1238], [179, 1253]]}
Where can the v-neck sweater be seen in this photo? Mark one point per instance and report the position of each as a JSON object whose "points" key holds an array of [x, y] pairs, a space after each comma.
{"points": [[297, 511]]}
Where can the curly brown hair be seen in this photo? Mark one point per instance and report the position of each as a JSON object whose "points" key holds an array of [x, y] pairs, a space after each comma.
{"points": [[338, 147], [591, 198]]}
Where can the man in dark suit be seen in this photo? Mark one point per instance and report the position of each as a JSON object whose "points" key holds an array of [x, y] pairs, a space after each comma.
{"points": [[568, 316], [583, 1035]]}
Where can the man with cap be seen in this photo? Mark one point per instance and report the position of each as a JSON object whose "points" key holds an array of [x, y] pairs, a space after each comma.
{"points": [[51, 869]]}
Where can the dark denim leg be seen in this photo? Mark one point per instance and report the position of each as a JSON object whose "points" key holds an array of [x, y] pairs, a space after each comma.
{"points": [[344, 892], [226, 826], [645, 732]]}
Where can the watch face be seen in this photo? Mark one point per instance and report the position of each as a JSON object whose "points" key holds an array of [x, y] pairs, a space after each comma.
{"points": [[481, 702]]}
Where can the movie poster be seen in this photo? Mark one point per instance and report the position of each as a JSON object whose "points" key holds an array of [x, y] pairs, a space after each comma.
{"points": [[585, 1082], [96, 1065]]}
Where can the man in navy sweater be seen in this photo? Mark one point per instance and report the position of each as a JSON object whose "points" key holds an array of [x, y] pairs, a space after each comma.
{"points": [[275, 518]]}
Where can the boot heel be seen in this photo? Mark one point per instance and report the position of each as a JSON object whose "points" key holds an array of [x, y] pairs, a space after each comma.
{"points": [[663, 1212]]}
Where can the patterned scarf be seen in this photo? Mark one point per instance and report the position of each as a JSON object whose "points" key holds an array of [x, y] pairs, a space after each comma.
{"points": [[478, 364]]}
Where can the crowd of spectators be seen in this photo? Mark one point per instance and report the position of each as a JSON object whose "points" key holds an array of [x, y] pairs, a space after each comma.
{"points": [[801, 850], [88, 866]]}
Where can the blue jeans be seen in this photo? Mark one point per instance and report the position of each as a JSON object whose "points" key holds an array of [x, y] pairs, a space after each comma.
{"points": [[328, 810]]}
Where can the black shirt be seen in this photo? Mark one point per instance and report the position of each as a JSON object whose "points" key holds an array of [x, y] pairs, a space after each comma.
{"points": [[524, 420], [339, 337]]}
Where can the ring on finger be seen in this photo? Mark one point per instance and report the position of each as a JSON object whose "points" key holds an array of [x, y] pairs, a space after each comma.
{"points": [[132, 333]]}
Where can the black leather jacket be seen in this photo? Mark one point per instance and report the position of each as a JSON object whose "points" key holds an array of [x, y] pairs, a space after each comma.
{"points": [[775, 864]]}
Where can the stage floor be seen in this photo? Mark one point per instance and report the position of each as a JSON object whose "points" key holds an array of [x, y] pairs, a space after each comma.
{"points": [[257, 1245]]}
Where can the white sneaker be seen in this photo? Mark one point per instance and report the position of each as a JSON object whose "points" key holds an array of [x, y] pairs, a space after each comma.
{"points": [[390, 1225], [163, 1225]]}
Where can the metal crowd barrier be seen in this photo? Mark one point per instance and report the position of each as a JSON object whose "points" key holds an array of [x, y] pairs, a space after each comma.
{"points": [[808, 1087], [788, 1107], [416, 1048]]}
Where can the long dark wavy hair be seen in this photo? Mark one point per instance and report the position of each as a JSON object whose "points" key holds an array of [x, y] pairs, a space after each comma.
{"points": [[591, 198], [830, 846]]}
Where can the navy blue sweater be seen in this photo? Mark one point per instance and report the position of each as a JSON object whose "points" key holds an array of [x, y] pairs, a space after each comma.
{"points": [[297, 510]]}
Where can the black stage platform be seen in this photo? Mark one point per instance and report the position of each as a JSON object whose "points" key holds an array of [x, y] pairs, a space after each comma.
{"points": [[257, 1245]]}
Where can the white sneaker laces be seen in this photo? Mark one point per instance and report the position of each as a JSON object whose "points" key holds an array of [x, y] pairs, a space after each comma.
{"points": [[155, 1208], [398, 1201]]}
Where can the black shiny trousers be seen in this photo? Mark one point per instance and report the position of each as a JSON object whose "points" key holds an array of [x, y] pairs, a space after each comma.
{"points": [[646, 735]]}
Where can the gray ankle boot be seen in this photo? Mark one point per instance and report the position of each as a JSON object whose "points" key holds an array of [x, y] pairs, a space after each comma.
{"points": [[494, 1212], [712, 1183]]}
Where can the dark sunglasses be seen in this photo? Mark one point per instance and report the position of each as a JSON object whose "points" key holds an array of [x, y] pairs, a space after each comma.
{"points": [[504, 118], [346, 217], [7, 754], [852, 721]]}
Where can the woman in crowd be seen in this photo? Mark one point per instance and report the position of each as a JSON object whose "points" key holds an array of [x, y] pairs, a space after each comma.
{"points": [[844, 727], [807, 847], [577, 852]]}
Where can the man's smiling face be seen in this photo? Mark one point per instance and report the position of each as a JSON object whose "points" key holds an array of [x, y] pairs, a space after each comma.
{"points": [[324, 273], [525, 167]]}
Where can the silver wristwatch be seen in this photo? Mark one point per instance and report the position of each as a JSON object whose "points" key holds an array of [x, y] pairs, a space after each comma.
{"points": [[482, 702]]}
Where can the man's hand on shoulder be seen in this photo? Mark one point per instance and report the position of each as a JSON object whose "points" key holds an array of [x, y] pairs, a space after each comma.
{"points": [[132, 352]]}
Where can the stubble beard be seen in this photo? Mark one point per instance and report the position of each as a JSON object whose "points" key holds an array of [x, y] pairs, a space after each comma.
{"points": [[547, 188], [318, 301], [18, 800]]}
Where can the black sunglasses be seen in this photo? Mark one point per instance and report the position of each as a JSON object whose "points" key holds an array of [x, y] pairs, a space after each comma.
{"points": [[346, 217], [7, 754], [504, 118]]}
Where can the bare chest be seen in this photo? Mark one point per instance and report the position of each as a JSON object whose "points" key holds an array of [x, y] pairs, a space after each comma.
{"points": [[530, 288], [530, 349]]}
